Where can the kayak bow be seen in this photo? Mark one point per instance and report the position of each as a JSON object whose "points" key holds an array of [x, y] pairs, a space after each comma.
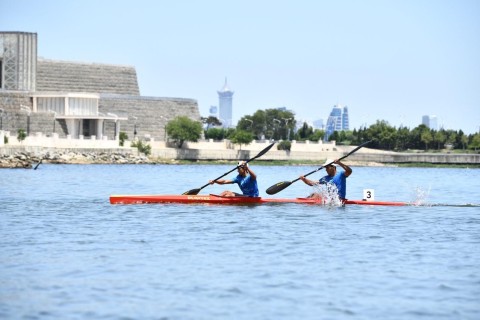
{"points": [[216, 199]]}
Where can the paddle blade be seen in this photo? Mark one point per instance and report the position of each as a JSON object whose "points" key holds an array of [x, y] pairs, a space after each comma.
{"points": [[278, 187], [192, 192]]}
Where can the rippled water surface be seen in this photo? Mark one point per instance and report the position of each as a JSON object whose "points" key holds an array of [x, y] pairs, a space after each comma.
{"points": [[66, 253]]}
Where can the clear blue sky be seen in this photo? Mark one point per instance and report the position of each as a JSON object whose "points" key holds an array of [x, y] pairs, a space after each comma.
{"points": [[387, 60]]}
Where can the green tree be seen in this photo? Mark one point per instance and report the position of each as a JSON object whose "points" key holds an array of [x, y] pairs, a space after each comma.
{"points": [[259, 124], [304, 132], [317, 135], [439, 137], [271, 123], [216, 133], [183, 129], [475, 144], [416, 137], [345, 137], [211, 121], [246, 123], [359, 136], [451, 137], [402, 140], [464, 140], [241, 137], [426, 138], [383, 134]]}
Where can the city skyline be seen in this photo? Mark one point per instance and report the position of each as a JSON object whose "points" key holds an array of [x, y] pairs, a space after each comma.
{"points": [[392, 61]]}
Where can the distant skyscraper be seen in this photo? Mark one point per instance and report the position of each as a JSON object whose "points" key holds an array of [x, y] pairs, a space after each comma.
{"points": [[337, 121], [214, 111], [345, 121], [426, 120], [430, 122], [225, 105], [318, 124]]}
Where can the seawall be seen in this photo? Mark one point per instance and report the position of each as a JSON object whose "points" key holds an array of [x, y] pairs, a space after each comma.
{"points": [[25, 156], [39, 145]]}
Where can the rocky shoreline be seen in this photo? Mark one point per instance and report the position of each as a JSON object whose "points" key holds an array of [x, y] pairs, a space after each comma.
{"points": [[27, 160]]}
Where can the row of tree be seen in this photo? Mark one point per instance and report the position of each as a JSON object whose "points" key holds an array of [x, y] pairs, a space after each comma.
{"points": [[280, 124], [387, 137]]}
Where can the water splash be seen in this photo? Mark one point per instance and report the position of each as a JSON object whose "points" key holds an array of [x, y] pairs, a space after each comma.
{"points": [[420, 196], [327, 194]]}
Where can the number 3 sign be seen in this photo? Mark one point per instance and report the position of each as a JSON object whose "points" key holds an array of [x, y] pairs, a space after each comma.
{"points": [[368, 195]]}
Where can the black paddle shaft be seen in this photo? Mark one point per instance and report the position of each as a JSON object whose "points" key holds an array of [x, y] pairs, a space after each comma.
{"points": [[261, 153], [353, 151], [282, 185]]}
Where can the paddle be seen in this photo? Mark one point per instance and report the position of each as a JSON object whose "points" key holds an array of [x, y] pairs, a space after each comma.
{"points": [[261, 153], [284, 184]]}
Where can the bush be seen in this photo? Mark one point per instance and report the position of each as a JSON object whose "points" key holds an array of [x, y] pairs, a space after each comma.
{"points": [[142, 147], [284, 145], [123, 137], [21, 135], [5, 139]]}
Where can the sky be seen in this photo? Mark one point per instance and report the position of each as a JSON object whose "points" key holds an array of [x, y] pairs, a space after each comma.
{"points": [[386, 60]]}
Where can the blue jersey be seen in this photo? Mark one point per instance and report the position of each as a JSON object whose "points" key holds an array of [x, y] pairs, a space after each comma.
{"points": [[339, 180], [248, 185]]}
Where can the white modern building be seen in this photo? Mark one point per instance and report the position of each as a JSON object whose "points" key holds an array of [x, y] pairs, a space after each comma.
{"points": [[337, 121]]}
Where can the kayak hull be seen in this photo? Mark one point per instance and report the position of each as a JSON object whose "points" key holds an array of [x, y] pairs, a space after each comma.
{"points": [[216, 199]]}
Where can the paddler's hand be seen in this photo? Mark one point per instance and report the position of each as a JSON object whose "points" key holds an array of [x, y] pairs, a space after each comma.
{"points": [[307, 181], [243, 165]]}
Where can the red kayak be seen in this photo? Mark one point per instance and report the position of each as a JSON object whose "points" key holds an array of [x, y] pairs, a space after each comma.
{"points": [[215, 199]]}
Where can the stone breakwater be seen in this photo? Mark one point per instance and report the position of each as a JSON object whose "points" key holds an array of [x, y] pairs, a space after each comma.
{"points": [[30, 160]]}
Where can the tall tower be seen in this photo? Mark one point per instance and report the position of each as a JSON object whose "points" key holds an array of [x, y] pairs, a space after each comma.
{"points": [[225, 105]]}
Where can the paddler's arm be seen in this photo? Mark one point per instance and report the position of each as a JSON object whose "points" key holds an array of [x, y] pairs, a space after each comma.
{"points": [[308, 181], [348, 170], [223, 181], [252, 174]]}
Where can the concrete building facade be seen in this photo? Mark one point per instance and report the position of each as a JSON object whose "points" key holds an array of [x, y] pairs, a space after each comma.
{"points": [[77, 100]]}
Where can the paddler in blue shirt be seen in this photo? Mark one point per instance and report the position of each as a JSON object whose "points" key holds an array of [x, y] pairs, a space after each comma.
{"points": [[333, 178], [246, 180]]}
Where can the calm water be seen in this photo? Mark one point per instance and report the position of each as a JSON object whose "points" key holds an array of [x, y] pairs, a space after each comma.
{"points": [[66, 253]]}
